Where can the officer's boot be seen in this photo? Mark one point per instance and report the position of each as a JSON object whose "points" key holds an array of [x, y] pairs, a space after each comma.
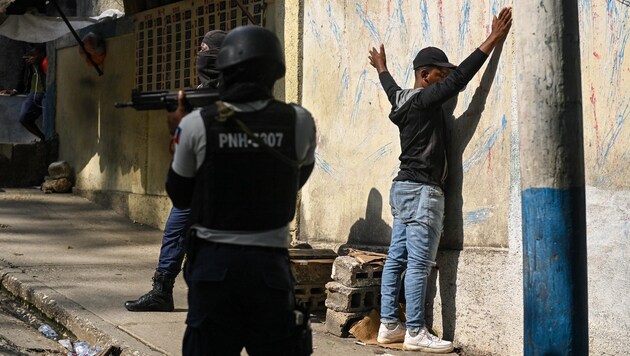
{"points": [[160, 298]]}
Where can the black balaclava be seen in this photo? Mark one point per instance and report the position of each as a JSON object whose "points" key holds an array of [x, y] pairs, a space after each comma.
{"points": [[206, 70]]}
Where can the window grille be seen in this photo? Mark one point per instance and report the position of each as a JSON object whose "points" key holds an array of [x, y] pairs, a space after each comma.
{"points": [[168, 38]]}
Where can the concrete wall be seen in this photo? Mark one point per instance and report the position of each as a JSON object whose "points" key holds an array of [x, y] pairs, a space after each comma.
{"points": [[479, 289], [359, 146], [120, 156]]}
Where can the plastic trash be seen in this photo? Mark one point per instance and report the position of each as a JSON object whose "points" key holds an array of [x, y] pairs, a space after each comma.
{"points": [[66, 343], [82, 348], [47, 331]]}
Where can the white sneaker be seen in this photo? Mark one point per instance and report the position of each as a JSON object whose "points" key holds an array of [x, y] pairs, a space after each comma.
{"points": [[388, 336], [426, 342]]}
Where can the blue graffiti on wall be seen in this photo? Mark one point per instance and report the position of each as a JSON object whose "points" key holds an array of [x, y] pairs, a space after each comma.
{"points": [[477, 216], [488, 140]]}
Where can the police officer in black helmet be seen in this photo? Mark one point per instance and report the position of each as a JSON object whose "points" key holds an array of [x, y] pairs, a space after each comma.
{"points": [[239, 164]]}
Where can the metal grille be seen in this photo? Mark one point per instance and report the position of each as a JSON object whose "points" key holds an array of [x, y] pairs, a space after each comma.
{"points": [[168, 38]]}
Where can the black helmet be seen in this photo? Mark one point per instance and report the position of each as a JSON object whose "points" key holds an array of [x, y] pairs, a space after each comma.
{"points": [[247, 43]]}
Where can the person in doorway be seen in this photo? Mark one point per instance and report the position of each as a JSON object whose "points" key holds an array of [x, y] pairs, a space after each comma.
{"points": [[35, 82], [239, 164], [172, 252], [416, 196]]}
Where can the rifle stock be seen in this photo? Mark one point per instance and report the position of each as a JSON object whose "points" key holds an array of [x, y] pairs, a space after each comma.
{"points": [[165, 100]]}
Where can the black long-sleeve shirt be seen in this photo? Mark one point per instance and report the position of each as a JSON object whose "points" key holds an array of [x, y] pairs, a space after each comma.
{"points": [[420, 118]]}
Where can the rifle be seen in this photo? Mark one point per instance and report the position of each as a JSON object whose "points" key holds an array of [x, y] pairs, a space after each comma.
{"points": [[160, 100]]}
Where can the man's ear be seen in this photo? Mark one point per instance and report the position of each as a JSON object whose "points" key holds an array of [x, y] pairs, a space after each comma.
{"points": [[424, 74]]}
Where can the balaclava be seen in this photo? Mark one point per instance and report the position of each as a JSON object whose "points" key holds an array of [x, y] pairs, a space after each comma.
{"points": [[206, 70]]}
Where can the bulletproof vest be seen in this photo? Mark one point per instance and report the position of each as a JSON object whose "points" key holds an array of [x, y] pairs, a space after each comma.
{"points": [[240, 185]]}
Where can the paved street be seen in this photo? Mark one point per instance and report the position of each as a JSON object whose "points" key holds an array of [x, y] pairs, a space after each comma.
{"points": [[79, 262]]}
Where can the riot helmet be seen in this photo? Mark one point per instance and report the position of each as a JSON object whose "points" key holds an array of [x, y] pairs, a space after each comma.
{"points": [[252, 44]]}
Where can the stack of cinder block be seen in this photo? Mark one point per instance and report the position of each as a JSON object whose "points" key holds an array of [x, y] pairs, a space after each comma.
{"points": [[353, 293], [312, 269]]}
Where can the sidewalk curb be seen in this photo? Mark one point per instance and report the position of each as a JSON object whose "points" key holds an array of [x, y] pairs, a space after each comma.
{"points": [[85, 325]]}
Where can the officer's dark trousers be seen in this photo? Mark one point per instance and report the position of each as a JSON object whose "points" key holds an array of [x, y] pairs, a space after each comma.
{"points": [[172, 251], [238, 296]]}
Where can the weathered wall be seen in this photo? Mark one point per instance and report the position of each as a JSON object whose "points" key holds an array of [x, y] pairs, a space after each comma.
{"points": [[346, 200], [120, 156], [604, 33], [358, 145]]}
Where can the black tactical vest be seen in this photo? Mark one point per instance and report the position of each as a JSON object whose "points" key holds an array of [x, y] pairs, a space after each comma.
{"points": [[241, 186]]}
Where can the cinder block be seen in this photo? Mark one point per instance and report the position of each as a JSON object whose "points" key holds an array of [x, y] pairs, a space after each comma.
{"points": [[312, 269], [339, 323], [346, 299], [310, 272], [349, 272], [314, 296]]}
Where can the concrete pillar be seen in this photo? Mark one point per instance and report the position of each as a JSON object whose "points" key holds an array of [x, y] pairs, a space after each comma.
{"points": [[293, 38], [552, 170]]}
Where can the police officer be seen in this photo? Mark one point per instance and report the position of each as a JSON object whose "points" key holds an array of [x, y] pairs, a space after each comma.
{"points": [[239, 164], [160, 297]]}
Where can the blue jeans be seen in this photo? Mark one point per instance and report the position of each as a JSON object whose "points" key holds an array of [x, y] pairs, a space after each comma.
{"points": [[31, 108], [172, 251], [418, 211]]}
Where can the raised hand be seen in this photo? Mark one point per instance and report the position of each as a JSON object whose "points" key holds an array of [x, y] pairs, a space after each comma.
{"points": [[378, 59], [501, 25], [500, 28]]}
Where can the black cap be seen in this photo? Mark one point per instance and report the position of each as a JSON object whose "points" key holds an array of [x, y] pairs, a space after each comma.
{"points": [[432, 57]]}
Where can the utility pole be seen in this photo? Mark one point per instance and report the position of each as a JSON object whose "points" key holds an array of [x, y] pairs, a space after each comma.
{"points": [[552, 178]]}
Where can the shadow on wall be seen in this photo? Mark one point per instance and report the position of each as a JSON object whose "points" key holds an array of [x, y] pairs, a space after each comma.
{"points": [[96, 134], [88, 132], [371, 233], [117, 138], [460, 132], [85, 128]]}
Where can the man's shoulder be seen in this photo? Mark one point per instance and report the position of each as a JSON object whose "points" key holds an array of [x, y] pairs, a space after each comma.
{"points": [[299, 109], [404, 98], [192, 120]]}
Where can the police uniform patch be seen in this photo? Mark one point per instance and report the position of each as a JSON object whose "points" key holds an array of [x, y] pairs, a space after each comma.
{"points": [[178, 132]]}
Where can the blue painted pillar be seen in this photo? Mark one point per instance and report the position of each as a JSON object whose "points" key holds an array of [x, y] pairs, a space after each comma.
{"points": [[552, 178]]}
